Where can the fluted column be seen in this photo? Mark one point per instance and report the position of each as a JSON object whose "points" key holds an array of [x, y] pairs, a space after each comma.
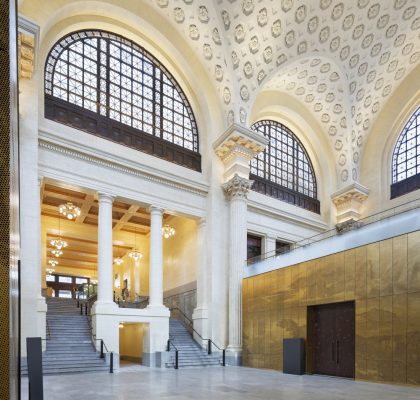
{"points": [[105, 272], [200, 314], [236, 190], [156, 258]]}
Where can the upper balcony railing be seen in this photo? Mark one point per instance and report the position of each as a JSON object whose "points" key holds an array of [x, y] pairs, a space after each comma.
{"points": [[340, 229]]}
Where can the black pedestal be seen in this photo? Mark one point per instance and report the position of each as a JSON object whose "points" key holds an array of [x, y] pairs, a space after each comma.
{"points": [[294, 356], [34, 352]]}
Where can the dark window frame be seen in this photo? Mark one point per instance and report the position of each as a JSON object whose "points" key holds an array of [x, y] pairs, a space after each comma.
{"points": [[132, 100], [284, 170], [405, 175]]}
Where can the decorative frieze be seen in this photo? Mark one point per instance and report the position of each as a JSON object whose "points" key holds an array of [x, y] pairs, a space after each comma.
{"points": [[348, 202]]}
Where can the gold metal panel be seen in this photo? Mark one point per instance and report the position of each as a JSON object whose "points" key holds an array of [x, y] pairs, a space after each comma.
{"points": [[360, 369], [287, 288], [399, 261], [294, 286], [361, 331], [413, 328], [349, 274], [311, 273], [321, 279], [372, 370], [399, 328], [339, 292], [361, 272], [303, 288], [372, 328], [385, 267], [384, 370], [413, 373], [399, 372], [413, 261], [385, 330], [302, 322], [372, 271]]}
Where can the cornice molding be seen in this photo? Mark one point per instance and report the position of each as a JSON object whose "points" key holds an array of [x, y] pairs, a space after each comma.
{"points": [[28, 43], [173, 181]]}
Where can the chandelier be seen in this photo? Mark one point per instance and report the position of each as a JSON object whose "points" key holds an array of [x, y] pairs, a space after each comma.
{"points": [[58, 243], [50, 272], [53, 263], [135, 255], [57, 252], [118, 260], [69, 210], [168, 231]]}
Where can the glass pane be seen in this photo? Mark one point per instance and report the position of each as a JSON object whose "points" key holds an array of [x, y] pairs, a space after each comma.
{"points": [[80, 281], [65, 294], [65, 279], [50, 278]]}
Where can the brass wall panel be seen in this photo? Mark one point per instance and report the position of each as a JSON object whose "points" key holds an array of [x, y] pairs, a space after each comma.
{"points": [[384, 280], [372, 270], [399, 264], [385, 267], [413, 261]]}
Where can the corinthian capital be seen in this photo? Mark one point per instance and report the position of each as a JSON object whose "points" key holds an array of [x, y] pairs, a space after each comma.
{"points": [[237, 187]]}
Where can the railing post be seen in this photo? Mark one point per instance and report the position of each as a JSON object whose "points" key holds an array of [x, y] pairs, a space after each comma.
{"points": [[111, 363], [224, 358], [102, 348], [168, 345], [176, 359], [209, 347], [81, 309], [86, 309]]}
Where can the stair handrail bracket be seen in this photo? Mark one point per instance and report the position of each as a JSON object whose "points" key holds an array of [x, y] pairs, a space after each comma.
{"points": [[190, 326]]}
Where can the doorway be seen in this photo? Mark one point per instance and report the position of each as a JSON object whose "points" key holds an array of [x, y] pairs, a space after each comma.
{"points": [[331, 339]]}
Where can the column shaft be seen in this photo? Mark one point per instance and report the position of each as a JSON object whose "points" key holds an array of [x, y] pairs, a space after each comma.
{"points": [[156, 258], [105, 249]]}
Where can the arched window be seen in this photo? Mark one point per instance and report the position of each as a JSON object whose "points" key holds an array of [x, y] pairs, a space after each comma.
{"points": [[283, 170], [406, 158], [107, 85]]}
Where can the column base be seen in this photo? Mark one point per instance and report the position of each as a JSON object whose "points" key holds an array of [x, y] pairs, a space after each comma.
{"points": [[234, 356], [104, 307], [159, 309]]}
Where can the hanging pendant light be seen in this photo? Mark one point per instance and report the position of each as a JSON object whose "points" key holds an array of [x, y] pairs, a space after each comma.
{"points": [[118, 260], [135, 254], [168, 231], [57, 252], [53, 263], [69, 210], [58, 243]]}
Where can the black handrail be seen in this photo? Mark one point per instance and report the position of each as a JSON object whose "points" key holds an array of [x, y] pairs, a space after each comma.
{"points": [[209, 341], [111, 354], [168, 348]]}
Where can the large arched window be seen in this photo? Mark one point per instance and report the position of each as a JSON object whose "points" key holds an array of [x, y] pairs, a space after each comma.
{"points": [[406, 158], [105, 84], [283, 170]]}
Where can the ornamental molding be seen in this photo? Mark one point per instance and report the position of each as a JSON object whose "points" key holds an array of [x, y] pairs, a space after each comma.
{"points": [[174, 182], [28, 41], [348, 202], [238, 140], [237, 188]]}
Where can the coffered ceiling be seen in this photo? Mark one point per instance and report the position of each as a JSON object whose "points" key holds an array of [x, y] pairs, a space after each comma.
{"points": [[341, 59]]}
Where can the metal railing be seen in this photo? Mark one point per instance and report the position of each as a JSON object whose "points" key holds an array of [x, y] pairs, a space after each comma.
{"points": [[340, 229], [190, 327], [102, 353], [168, 348]]}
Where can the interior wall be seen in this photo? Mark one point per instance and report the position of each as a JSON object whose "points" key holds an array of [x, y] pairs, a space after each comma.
{"points": [[180, 254], [384, 280], [131, 342]]}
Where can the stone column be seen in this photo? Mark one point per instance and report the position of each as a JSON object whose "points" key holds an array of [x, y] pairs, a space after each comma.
{"points": [[236, 148], [105, 273], [236, 191], [156, 259], [201, 314]]}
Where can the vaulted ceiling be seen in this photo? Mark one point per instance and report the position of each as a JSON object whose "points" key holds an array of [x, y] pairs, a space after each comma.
{"points": [[341, 58]]}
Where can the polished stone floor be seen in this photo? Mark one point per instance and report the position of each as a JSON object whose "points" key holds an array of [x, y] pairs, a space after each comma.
{"points": [[136, 382]]}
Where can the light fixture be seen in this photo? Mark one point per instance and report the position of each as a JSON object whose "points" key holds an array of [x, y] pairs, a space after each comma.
{"points": [[118, 260], [58, 243], [94, 281], [57, 252], [53, 263], [120, 325], [135, 255], [50, 271], [69, 210], [168, 231]]}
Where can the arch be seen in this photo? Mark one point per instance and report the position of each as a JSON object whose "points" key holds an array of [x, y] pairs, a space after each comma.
{"points": [[110, 86], [284, 169], [406, 158]]}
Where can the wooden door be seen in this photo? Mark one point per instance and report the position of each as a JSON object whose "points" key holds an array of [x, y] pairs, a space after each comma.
{"points": [[331, 332]]}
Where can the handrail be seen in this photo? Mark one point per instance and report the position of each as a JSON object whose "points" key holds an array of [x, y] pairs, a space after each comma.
{"points": [[111, 354], [48, 330], [168, 348], [209, 341]]}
